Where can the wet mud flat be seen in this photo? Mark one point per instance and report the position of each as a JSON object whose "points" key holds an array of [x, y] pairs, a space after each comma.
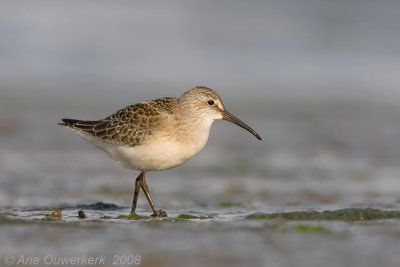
{"points": [[227, 236], [322, 189]]}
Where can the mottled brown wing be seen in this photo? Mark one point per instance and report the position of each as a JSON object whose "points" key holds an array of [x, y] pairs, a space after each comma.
{"points": [[130, 125]]}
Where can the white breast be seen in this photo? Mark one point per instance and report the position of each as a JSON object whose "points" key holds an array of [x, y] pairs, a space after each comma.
{"points": [[159, 154]]}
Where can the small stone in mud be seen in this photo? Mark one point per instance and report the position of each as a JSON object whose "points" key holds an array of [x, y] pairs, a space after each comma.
{"points": [[56, 214], [81, 214]]}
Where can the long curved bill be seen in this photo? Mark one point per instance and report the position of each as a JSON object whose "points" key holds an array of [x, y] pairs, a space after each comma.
{"points": [[232, 118]]}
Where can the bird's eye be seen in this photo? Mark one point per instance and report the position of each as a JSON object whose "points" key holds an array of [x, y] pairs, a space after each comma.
{"points": [[211, 102]]}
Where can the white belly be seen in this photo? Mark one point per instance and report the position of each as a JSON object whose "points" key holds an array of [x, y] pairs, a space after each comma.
{"points": [[155, 156]]}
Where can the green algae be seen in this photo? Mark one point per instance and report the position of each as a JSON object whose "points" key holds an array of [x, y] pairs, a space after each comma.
{"points": [[132, 216], [49, 218], [188, 216], [309, 228], [338, 215]]}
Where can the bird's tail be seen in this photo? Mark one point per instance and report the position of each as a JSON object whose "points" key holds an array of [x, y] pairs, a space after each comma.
{"points": [[85, 126], [68, 122]]}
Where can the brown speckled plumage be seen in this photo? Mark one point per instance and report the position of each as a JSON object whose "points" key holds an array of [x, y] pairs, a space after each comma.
{"points": [[130, 125]]}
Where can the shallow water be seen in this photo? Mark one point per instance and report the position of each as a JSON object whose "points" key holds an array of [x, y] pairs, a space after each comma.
{"points": [[225, 240], [342, 158]]}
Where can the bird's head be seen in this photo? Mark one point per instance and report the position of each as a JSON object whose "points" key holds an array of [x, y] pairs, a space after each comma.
{"points": [[205, 103]]}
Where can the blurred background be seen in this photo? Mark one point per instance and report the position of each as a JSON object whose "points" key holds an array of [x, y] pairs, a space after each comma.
{"points": [[319, 80]]}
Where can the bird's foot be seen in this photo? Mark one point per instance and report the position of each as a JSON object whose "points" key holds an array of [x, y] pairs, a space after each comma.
{"points": [[160, 213]]}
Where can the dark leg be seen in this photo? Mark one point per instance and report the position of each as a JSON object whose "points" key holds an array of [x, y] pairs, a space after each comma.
{"points": [[141, 183], [157, 213], [138, 185]]}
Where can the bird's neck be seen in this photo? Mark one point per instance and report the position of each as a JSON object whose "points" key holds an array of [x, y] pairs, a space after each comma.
{"points": [[196, 128]]}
